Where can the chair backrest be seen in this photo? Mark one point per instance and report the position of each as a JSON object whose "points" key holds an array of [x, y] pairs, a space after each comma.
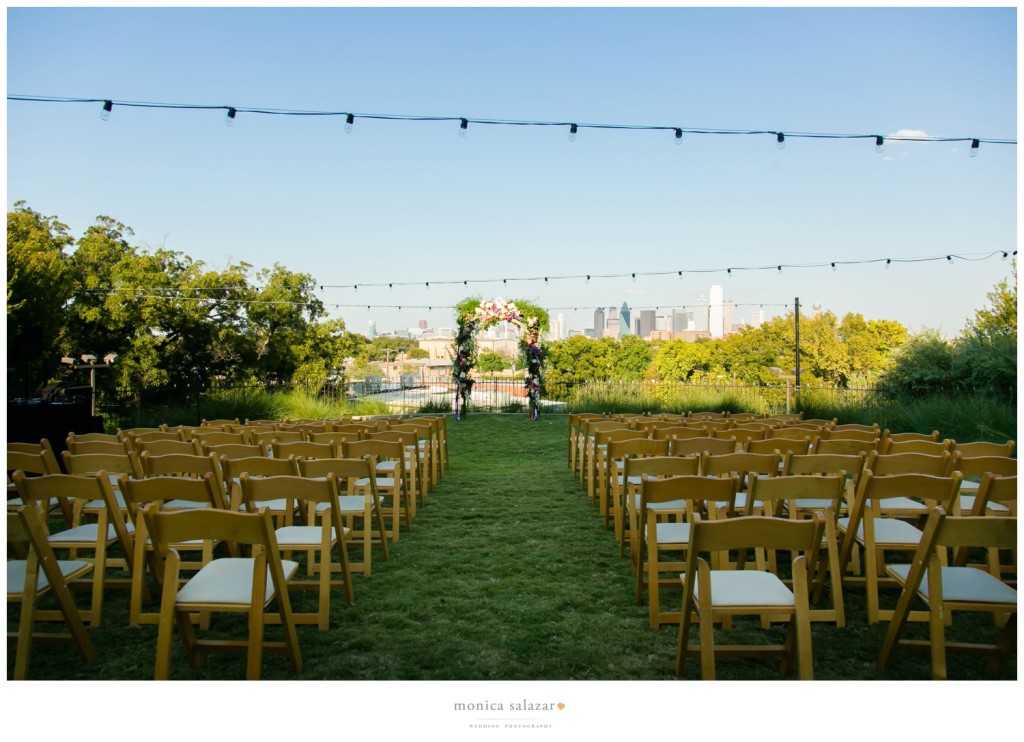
{"points": [[995, 488], [164, 447], [636, 447], [409, 439], [320, 490], [785, 446], [861, 427], [40, 461], [379, 449], [742, 436], [845, 446], [266, 438], [658, 467], [825, 463], [225, 423], [775, 492], [797, 536], [215, 438], [159, 435], [709, 416], [850, 435], [875, 488], [140, 492], [984, 448], [91, 437], [258, 466], [679, 432], [900, 437], [695, 490], [937, 465], [932, 447], [304, 450], [699, 446], [190, 466], [975, 466], [90, 463], [604, 437], [234, 451], [716, 465], [346, 471], [78, 446], [335, 437]]}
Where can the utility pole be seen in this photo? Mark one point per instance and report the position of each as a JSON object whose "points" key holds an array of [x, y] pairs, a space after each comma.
{"points": [[796, 315]]}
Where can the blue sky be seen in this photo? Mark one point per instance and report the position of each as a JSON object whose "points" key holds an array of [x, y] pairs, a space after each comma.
{"points": [[399, 201]]}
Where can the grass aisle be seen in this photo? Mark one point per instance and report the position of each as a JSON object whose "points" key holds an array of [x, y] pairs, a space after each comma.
{"points": [[506, 575]]}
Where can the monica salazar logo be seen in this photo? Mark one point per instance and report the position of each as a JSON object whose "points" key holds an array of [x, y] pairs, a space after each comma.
{"points": [[512, 713]]}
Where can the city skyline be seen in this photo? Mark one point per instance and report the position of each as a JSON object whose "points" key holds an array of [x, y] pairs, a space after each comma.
{"points": [[699, 317]]}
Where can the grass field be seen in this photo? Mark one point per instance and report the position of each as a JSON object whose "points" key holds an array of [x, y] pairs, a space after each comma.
{"points": [[507, 574]]}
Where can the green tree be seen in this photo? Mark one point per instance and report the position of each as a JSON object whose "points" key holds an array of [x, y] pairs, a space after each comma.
{"points": [[39, 286], [489, 362]]}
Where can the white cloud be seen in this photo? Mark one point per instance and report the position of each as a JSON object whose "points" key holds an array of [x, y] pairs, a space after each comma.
{"points": [[917, 133]]}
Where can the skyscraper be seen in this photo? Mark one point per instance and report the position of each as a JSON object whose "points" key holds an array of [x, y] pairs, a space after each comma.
{"points": [[599, 322], [716, 316], [625, 326], [700, 315], [647, 320]]}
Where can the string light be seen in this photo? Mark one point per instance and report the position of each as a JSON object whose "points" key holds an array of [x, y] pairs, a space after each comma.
{"points": [[879, 144], [229, 120], [463, 128], [968, 257], [678, 131]]}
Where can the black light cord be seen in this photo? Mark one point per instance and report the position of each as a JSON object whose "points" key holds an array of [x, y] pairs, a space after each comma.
{"points": [[464, 121]]}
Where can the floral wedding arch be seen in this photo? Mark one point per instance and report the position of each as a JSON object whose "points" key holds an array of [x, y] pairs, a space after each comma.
{"points": [[473, 315]]}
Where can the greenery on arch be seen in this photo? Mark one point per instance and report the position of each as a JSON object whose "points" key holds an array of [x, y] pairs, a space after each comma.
{"points": [[474, 314]]}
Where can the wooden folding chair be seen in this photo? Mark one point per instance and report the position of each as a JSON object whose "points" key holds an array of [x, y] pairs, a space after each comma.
{"points": [[717, 595], [945, 590], [319, 495], [246, 585], [38, 574]]}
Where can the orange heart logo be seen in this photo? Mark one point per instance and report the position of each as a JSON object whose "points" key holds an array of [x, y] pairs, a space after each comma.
{"points": [[561, 706]]}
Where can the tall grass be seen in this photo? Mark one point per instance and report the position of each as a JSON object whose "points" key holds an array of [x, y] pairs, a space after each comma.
{"points": [[254, 404], [963, 418]]}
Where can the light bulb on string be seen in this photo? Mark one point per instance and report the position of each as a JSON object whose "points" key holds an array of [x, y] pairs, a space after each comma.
{"points": [[780, 140], [572, 132], [229, 120], [833, 267], [888, 262], [679, 136], [463, 128], [975, 144], [879, 144], [108, 106], [349, 120]]}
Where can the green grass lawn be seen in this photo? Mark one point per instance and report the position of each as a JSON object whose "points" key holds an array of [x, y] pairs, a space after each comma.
{"points": [[507, 574]]}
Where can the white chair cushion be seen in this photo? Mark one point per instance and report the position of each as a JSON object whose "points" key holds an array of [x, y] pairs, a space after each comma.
{"points": [[963, 584], [747, 587], [16, 574], [672, 533], [967, 505], [887, 531], [300, 536], [227, 581], [86, 533]]}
